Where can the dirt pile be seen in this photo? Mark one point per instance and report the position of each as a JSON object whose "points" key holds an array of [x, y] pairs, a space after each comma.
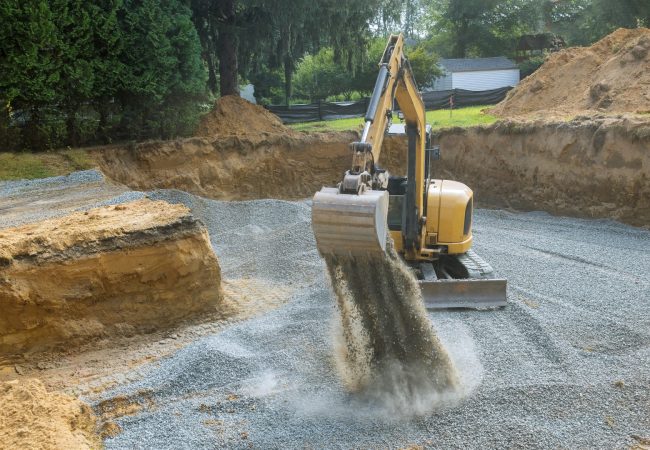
{"points": [[390, 351], [594, 167], [236, 167], [115, 270], [613, 75], [233, 116], [31, 417]]}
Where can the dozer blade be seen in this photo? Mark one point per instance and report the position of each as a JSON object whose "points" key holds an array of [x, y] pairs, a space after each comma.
{"points": [[465, 293], [347, 224]]}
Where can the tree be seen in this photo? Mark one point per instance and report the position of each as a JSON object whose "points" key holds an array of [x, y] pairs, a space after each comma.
{"points": [[108, 68], [75, 61], [254, 35], [318, 76], [28, 63], [424, 65], [163, 73]]}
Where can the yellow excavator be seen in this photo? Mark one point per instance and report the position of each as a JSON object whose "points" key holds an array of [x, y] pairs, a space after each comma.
{"points": [[429, 220]]}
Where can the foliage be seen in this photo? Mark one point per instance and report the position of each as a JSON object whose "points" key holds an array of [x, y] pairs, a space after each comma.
{"points": [[67, 62], [424, 65], [528, 67], [318, 76], [163, 72]]}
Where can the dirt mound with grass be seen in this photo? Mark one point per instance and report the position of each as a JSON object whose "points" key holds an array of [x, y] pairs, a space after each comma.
{"points": [[611, 76], [233, 116], [110, 271], [33, 418]]}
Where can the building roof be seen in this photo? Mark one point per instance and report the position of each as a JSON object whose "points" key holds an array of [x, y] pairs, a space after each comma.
{"points": [[477, 64]]}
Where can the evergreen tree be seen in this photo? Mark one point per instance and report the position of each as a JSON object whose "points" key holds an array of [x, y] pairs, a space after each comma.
{"points": [[163, 73]]}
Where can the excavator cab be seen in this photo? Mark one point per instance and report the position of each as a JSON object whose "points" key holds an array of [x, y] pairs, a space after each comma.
{"points": [[429, 220]]}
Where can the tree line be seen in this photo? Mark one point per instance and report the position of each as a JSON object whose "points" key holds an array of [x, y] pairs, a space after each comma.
{"points": [[74, 72]]}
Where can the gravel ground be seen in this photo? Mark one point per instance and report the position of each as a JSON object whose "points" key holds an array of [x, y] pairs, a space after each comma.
{"points": [[27, 201], [565, 365]]}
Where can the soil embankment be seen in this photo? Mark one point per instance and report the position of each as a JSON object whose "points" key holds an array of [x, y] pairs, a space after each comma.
{"points": [[114, 270], [611, 76], [596, 167], [589, 167], [285, 166], [240, 152]]}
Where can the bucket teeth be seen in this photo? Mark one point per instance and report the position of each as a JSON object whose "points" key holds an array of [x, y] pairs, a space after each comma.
{"points": [[347, 224]]}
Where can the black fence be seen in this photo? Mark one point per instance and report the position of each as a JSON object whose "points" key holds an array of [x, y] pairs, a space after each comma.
{"points": [[344, 110]]}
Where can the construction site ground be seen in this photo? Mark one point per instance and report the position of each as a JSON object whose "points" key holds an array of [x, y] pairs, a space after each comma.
{"points": [[241, 351], [565, 364]]}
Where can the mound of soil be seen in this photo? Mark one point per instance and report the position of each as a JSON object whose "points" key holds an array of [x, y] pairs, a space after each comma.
{"points": [[110, 271], [234, 116], [31, 417], [613, 75]]}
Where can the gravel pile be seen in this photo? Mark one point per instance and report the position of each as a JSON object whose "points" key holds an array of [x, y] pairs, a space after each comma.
{"points": [[27, 201], [566, 364]]}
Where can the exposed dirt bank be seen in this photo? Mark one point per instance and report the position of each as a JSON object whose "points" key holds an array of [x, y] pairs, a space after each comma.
{"points": [[115, 270], [281, 166], [33, 418], [589, 167], [613, 75]]}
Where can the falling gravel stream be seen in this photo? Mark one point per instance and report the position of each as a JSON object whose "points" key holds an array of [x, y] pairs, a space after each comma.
{"points": [[388, 350]]}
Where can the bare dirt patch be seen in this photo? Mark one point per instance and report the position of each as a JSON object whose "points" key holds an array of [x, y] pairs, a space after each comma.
{"points": [[612, 76], [285, 166], [31, 417], [595, 167]]}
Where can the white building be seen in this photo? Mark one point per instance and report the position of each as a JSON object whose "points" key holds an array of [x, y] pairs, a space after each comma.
{"points": [[477, 74]]}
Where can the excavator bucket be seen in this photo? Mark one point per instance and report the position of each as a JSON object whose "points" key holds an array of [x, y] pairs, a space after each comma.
{"points": [[348, 224]]}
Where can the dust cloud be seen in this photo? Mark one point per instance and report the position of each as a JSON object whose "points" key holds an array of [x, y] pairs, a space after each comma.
{"points": [[387, 349]]}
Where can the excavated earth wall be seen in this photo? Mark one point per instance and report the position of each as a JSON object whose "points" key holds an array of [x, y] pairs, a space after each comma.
{"points": [[597, 167], [290, 166], [114, 270], [589, 167]]}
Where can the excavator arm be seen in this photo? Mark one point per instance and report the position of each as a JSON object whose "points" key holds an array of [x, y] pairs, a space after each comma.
{"points": [[352, 217], [434, 236]]}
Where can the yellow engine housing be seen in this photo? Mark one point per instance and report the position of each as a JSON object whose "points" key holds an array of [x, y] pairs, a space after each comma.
{"points": [[449, 215]]}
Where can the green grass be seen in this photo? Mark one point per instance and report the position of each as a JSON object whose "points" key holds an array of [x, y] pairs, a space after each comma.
{"points": [[26, 165], [463, 117]]}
